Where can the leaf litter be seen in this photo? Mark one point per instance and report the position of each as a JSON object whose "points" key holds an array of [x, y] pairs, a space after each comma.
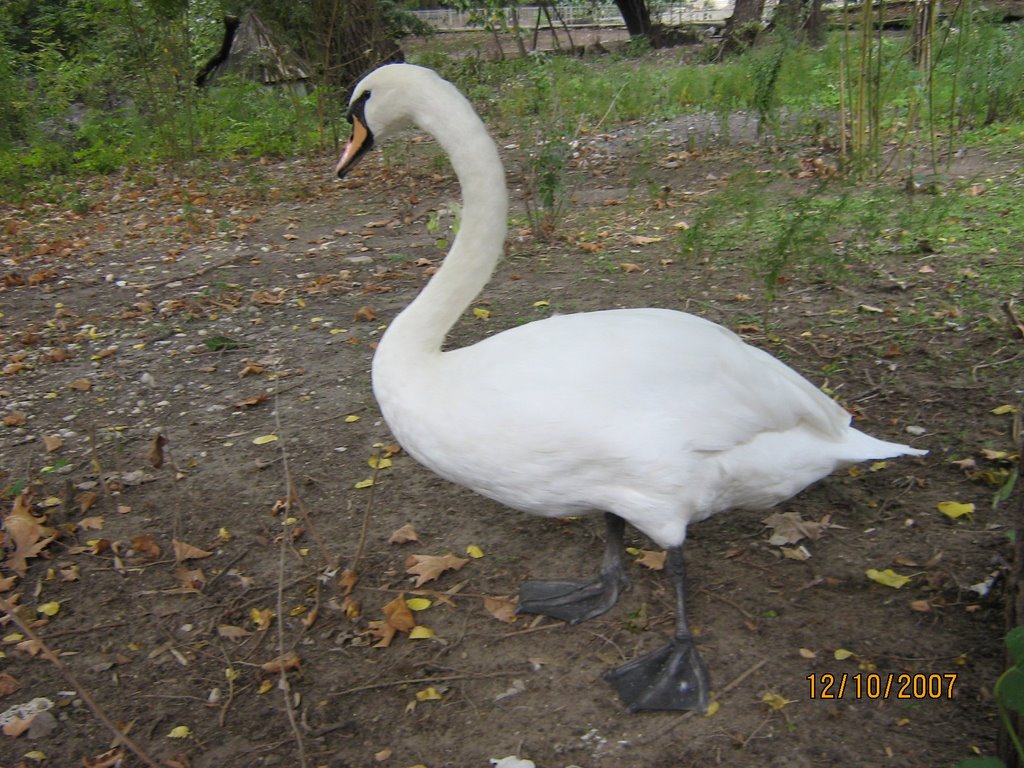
{"points": [[146, 509]]}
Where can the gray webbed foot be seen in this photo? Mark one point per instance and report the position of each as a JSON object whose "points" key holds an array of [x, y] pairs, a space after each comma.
{"points": [[670, 678]]}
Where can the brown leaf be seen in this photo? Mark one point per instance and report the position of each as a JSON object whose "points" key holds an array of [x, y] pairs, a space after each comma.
{"points": [[184, 551], [429, 567], [231, 632], [381, 630], [94, 523], [82, 385], [404, 535], [283, 663], [276, 296], [789, 528], [52, 442], [249, 402], [85, 500], [145, 545], [15, 419], [110, 759], [8, 684], [628, 266], [189, 579], [27, 532], [18, 725], [398, 614], [155, 455], [366, 314], [501, 608], [348, 580], [651, 559]]}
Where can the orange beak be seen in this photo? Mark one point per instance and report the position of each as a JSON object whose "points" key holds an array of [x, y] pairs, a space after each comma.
{"points": [[358, 144]]}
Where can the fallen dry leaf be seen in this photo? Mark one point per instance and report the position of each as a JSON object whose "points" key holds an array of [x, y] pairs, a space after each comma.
{"points": [[146, 546], [348, 580], [15, 419], [651, 559], [790, 527], [184, 551], [231, 632], [8, 684], [501, 608], [155, 454], [429, 567], [283, 663], [398, 614], [52, 442], [81, 385], [404, 535], [85, 500], [365, 314], [28, 533]]}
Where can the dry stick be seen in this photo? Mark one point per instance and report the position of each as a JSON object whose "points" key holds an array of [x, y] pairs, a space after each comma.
{"points": [[285, 540], [420, 680], [82, 692]]}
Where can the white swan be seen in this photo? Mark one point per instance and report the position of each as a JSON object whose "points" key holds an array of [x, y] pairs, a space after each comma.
{"points": [[651, 416]]}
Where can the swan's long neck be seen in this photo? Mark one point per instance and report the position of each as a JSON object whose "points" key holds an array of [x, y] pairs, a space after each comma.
{"points": [[421, 328]]}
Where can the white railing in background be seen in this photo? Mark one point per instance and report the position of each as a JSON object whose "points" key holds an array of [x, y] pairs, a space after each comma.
{"points": [[598, 15]]}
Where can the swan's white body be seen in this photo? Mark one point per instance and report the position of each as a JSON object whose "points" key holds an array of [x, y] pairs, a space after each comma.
{"points": [[657, 416]]}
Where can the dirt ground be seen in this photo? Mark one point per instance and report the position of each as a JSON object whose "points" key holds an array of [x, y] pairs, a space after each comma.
{"points": [[242, 304]]}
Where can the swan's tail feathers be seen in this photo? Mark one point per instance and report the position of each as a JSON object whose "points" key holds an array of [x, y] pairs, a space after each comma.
{"points": [[862, 447]]}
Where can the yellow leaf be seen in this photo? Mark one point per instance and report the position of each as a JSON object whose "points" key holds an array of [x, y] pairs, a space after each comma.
{"points": [[713, 707], [888, 577], [378, 462], [955, 509], [1004, 409], [364, 483], [36, 755], [180, 732], [49, 609], [231, 674], [807, 653], [265, 687], [428, 694], [351, 418], [474, 551], [775, 701], [879, 465], [542, 303], [264, 439], [481, 313], [418, 603], [421, 633], [841, 654], [14, 637]]}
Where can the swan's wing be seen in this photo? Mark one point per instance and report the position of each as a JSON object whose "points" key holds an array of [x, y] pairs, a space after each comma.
{"points": [[639, 376]]}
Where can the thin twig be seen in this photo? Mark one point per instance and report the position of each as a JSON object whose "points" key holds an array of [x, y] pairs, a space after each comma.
{"points": [[96, 709], [284, 684], [421, 680]]}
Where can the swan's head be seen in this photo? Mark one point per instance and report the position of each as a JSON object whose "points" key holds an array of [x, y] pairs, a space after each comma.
{"points": [[382, 102]]}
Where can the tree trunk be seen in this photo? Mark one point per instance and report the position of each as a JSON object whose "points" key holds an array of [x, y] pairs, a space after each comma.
{"points": [[637, 16], [925, 13], [803, 19], [742, 28], [355, 39]]}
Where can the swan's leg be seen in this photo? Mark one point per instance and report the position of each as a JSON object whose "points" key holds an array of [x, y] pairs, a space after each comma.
{"points": [[673, 677], [576, 601]]}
